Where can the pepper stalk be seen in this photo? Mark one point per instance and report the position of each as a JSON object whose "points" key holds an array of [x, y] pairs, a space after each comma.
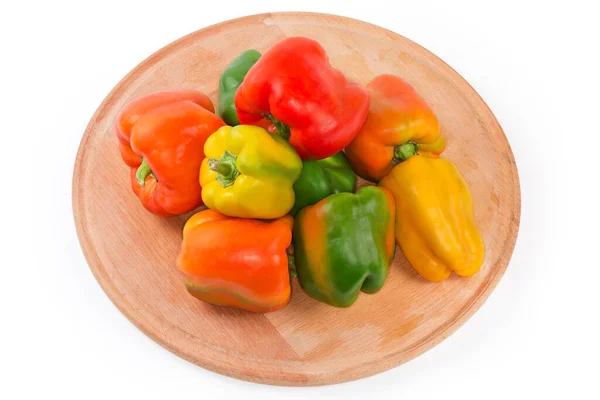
{"points": [[225, 167], [404, 151], [142, 173]]}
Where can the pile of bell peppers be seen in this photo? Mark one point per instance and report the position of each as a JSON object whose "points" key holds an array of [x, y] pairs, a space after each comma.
{"points": [[275, 168]]}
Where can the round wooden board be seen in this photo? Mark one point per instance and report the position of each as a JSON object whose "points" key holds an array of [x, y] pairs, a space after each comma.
{"points": [[132, 253]]}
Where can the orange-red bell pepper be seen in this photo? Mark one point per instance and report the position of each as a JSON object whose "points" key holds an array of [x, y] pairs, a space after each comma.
{"points": [[161, 137], [237, 262], [399, 122]]}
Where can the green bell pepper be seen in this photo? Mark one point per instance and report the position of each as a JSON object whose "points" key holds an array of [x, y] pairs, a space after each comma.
{"points": [[321, 178], [344, 244], [231, 78]]}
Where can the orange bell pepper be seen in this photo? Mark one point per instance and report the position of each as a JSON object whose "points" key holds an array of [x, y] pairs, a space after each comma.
{"points": [[398, 120], [237, 262], [161, 137]]}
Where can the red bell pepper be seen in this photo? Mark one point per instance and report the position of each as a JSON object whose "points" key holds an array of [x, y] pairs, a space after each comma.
{"points": [[309, 102]]}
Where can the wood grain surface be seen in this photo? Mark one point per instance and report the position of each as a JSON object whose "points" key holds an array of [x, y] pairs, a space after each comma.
{"points": [[132, 253]]}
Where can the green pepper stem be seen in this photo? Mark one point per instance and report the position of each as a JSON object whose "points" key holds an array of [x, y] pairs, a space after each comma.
{"points": [[142, 172], [292, 265], [225, 167], [405, 151], [215, 165], [283, 130]]}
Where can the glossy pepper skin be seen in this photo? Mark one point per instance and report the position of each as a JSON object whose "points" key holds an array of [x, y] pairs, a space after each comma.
{"points": [[161, 137], [398, 119], [309, 102], [249, 173], [236, 262], [435, 225], [344, 244], [231, 78], [321, 178]]}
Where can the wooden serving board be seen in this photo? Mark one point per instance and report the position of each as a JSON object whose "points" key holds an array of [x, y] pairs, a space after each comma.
{"points": [[132, 252]]}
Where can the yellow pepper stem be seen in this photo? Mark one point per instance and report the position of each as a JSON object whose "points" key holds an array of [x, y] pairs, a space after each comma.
{"points": [[142, 173], [225, 168], [405, 151]]}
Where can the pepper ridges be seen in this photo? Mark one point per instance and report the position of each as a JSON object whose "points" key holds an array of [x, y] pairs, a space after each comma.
{"points": [[435, 225], [161, 137], [236, 262], [344, 244], [398, 118], [294, 85]]}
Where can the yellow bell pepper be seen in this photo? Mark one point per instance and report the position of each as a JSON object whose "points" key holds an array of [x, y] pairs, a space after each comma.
{"points": [[435, 225], [249, 173]]}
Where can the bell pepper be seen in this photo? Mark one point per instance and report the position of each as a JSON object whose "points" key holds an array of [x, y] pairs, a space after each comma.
{"points": [[249, 173], [435, 225], [311, 103], [321, 178], [236, 262], [344, 244], [399, 119], [231, 79], [161, 137]]}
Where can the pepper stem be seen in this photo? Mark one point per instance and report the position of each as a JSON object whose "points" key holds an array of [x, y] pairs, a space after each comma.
{"points": [[142, 173], [292, 265], [215, 165], [283, 130], [405, 151], [225, 167]]}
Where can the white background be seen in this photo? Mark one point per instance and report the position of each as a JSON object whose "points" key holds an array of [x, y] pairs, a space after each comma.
{"points": [[534, 62]]}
